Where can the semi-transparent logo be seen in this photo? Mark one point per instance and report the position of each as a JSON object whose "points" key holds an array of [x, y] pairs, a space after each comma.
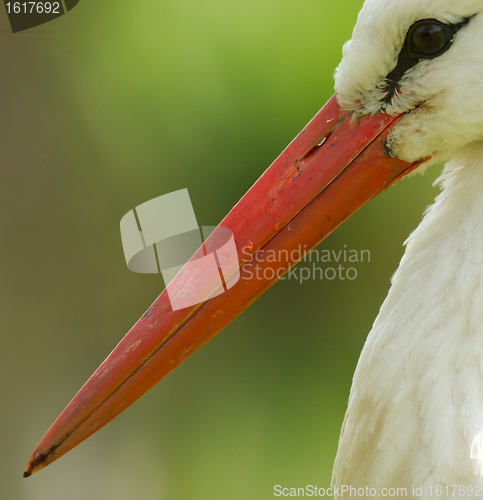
{"points": [[163, 236]]}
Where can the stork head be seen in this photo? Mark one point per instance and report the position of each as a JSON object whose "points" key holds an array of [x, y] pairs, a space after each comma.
{"points": [[421, 58]]}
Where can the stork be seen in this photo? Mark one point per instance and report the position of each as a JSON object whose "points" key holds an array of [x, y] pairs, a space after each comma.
{"points": [[408, 94]]}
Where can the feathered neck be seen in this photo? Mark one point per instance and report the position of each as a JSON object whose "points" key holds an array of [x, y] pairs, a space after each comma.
{"points": [[415, 413]]}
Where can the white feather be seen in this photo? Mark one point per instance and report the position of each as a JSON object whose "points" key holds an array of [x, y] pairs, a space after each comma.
{"points": [[415, 413], [416, 404]]}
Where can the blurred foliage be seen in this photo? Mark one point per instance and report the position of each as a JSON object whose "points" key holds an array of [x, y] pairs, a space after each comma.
{"points": [[117, 103]]}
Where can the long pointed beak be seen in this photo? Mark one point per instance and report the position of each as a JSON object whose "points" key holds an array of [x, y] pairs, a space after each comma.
{"points": [[330, 169]]}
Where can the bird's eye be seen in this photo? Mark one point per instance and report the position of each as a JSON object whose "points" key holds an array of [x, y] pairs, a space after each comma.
{"points": [[430, 38], [426, 39]]}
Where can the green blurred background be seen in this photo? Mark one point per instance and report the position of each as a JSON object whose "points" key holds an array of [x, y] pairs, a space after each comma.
{"points": [[117, 103]]}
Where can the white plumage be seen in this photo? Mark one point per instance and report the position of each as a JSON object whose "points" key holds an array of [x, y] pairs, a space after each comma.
{"points": [[415, 413]]}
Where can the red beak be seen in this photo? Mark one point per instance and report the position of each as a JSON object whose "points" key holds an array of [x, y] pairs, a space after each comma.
{"points": [[330, 169]]}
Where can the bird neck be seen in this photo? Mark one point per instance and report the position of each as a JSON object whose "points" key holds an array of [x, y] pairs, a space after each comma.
{"points": [[415, 414]]}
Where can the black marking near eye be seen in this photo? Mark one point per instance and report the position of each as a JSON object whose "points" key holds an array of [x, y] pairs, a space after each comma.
{"points": [[425, 39]]}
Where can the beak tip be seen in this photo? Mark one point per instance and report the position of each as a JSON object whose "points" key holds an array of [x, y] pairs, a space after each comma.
{"points": [[34, 464], [29, 468]]}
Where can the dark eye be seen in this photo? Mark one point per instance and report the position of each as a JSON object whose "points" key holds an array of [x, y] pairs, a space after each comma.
{"points": [[425, 39], [430, 38]]}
